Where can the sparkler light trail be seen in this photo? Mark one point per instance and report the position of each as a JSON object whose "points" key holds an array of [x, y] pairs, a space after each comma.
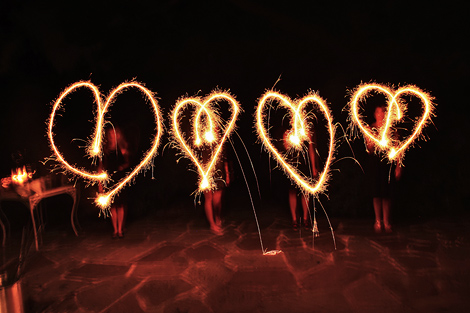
{"points": [[299, 134], [384, 139], [210, 136], [95, 147]]}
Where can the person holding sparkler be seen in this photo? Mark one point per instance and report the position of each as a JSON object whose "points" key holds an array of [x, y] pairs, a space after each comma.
{"points": [[309, 165], [213, 197], [381, 177], [116, 161]]}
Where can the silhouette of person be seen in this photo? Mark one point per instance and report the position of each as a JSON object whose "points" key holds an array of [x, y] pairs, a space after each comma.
{"points": [[213, 196], [306, 165], [115, 162], [381, 177]]}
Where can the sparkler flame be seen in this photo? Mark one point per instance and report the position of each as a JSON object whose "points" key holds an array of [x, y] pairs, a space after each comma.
{"points": [[95, 147], [299, 135], [210, 136], [384, 139]]}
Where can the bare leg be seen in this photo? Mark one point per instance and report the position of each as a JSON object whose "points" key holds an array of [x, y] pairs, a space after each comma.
{"points": [[378, 214], [210, 212], [386, 204], [217, 206], [114, 220], [120, 219], [293, 205], [305, 201]]}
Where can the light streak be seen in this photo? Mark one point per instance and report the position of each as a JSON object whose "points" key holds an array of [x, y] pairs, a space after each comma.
{"points": [[209, 135], [95, 148], [395, 107], [94, 151], [204, 106], [297, 114], [264, 251]]}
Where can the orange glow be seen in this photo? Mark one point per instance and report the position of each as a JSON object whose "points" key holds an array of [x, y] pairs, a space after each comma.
{"points": [[210, 135], [384, 140], [272, 252], [95, 147], [20, 176], [298, 135], [6, 181]]}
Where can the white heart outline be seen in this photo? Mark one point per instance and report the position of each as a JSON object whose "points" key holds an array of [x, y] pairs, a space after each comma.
{"points": [[95, 149], [393, 96], [302, 181], [206, 181]]}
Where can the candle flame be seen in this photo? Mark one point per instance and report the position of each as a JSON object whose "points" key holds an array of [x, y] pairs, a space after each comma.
{"points": [[20, 176]]}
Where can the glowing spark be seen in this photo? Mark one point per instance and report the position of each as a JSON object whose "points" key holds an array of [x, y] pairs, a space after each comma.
{"points": [[295, 140], [102, 201], [204, 183], [299, 135], [395, 110], [94, 150], [204, 105], [209, 136]]}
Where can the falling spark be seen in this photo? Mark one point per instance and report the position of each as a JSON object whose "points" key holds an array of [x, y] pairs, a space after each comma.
{"points": [[210, 136], [264, 251], [298, 135], [384, 140], [95, 148]]}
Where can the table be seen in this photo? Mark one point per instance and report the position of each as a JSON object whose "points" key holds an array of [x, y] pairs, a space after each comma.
{"points": [[32, 202], [9, 195]]}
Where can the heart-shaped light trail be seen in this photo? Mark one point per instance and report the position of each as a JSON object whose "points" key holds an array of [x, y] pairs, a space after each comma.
{"points": [[297, 114], [204, 108], [95, 147], [384, 140]]}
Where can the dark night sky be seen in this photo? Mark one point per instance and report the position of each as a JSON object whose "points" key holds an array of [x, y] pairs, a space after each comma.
{"points": [[182, 47]]}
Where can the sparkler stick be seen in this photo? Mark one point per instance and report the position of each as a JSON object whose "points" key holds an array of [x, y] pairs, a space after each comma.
{"points": [[204, 105], [299, 135], [95, 148], [396, 107]]}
